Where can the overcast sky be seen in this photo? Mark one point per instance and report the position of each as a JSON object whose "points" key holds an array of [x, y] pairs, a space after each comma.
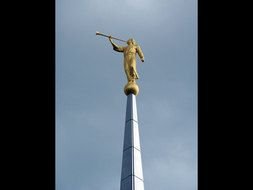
{"points": [[91, 104]]}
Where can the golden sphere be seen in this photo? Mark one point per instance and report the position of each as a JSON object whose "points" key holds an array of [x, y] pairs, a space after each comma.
{"points": [[131, 87]]}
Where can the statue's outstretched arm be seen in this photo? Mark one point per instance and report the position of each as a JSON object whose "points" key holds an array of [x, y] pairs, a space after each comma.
{"points": [[140, 53], [116, 47]]}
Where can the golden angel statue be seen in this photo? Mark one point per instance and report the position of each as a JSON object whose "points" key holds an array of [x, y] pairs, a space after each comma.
{"points": [[129, 52]]}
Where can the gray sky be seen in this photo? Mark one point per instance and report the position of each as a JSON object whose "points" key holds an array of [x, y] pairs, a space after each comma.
{"points": [[91, 104]]}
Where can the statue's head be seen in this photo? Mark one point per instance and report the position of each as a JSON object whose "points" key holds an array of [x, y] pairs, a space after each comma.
{"points": [[131, 41]]}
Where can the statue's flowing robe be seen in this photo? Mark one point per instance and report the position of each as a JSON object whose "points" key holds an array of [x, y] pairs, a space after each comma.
{"points": [[130, 59]]}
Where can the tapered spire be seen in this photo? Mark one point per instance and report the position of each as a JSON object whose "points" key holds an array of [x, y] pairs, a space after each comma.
{"points": [[131, 173]]}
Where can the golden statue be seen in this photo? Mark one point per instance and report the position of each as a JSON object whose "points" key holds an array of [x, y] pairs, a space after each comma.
{"points": [[129, 52]]}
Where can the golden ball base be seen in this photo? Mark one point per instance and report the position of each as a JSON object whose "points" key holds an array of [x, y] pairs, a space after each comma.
{"points": [[131, 87]]}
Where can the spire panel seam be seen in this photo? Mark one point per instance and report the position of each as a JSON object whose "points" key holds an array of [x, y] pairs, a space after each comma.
{"points": [[131, 176], [131, 147], [132, 120]]}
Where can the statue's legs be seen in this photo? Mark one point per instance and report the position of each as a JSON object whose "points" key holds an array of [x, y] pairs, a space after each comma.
{"points": [[130, 68], [127, 71], [133, 71]]}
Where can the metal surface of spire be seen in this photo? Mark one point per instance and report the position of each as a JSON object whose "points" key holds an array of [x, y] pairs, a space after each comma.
{"points": [[131, 173]]}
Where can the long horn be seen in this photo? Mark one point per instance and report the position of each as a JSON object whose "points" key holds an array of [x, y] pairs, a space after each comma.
{"points": [[101, 34]]}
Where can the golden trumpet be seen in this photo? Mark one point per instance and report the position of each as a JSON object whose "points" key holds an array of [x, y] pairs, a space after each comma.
{"points": [[101, 34]]}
